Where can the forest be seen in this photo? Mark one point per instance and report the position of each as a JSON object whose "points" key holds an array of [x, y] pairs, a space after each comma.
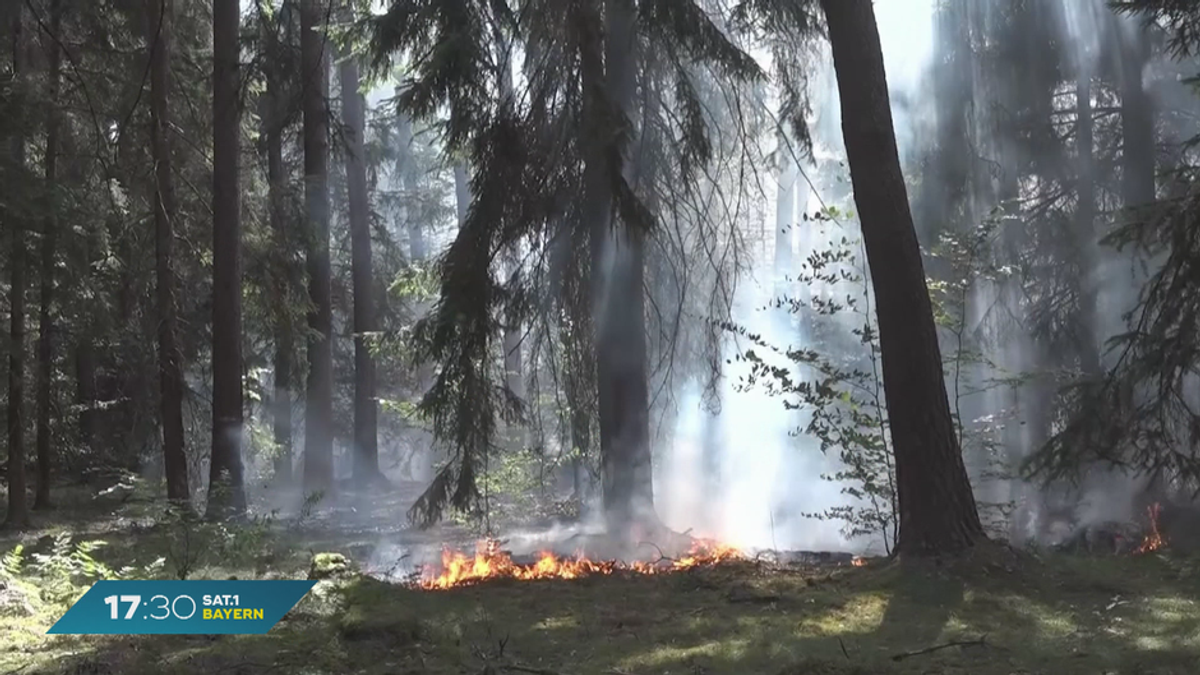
{"points": [[612, 337]]}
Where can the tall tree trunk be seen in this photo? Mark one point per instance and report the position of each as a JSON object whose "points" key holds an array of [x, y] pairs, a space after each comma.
{"points": [[366, 409], [937, 508], [1088, 336], [273, 118], [618, 301], [18, 505], [158, 38], [406, 172], [785, 215], [513, 363], [462, 192], [85, 391], [45, 345], [226, 495], [318, 404], [1137, 126]]}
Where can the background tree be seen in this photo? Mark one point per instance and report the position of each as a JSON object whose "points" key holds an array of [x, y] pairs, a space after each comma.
{"points": [[318, 409], [225, 488]]}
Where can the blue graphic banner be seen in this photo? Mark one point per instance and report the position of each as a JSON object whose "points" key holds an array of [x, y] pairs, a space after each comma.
{"points": [[194, 607]]}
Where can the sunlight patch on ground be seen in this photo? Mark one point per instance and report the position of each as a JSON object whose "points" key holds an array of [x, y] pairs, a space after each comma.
{"points": [[860, 614], [1168, 623], [557, 623], [1051, 623], [732, 649]]}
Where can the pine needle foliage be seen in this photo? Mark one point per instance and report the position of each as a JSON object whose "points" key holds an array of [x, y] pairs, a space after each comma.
{"points": [[526, 153]]}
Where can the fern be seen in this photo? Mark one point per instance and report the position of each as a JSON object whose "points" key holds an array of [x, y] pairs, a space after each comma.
{"points": [[12, 562]]}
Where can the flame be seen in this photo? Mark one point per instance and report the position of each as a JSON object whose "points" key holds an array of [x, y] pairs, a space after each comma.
{"points": [[1154, 540], [489, 562], [858, 562]]}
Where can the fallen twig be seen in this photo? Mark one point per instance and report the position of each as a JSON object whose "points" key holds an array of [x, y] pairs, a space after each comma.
{"points": [[980, 641], [843, 646], [661, 556], [527, 669]]}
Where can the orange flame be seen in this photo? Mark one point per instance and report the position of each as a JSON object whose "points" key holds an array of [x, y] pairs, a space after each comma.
{"points": [[489, 562], [1154, 540], [859, 562]]}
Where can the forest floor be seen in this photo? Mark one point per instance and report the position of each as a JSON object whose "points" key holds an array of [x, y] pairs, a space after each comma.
{"points": [[1012, 614]]}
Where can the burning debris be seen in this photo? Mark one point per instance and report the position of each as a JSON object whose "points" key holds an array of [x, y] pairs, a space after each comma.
{"points": [[1153, 540], [490, 562], [1118, 538]]}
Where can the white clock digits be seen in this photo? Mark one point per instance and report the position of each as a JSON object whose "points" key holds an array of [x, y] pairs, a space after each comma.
{"points": [[166, 607]]}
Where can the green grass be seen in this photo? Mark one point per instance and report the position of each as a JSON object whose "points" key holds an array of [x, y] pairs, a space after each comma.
{"points": [[1061, 615]]}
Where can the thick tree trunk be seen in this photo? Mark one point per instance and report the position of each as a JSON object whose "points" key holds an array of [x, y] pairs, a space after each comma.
{"points": [[18, 505], [158, 39], [318, 404], [366, 410], [286, 278], [226, 494], [618, 315], [45, 344], [937, 508]]}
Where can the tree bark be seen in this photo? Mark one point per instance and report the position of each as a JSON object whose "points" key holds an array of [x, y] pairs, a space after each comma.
{"points": [[512, 341], [45, 344], [1088, 337], [286, 280], [366, 408], [318, 404], [85, 392], [18, 505], [406, 172], [462, 192], [785, 215], [938, 513], [618, 302], [226, 494], [158, 39], [1137, 126]]}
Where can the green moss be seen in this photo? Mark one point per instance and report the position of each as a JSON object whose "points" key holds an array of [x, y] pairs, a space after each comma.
{"points": [[328, 566]]}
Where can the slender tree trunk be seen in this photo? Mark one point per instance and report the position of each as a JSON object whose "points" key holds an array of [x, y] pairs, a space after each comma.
{"points": [[937, 508], [286, 278], [226, 494], [318, 405], [1137, 126], [18, 505], [618, 301], [513, 362], [785, 215], [158, 37], [406, 171], [45, 344], [1085, 224], [462, 192], [85, 392], [366, 409]]}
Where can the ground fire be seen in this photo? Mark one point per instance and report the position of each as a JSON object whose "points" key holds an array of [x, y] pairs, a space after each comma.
{"points": [[490, 562], [1153, 539]]}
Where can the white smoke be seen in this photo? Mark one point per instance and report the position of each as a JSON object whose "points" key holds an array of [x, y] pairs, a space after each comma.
{"points": [[768, 476]]}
